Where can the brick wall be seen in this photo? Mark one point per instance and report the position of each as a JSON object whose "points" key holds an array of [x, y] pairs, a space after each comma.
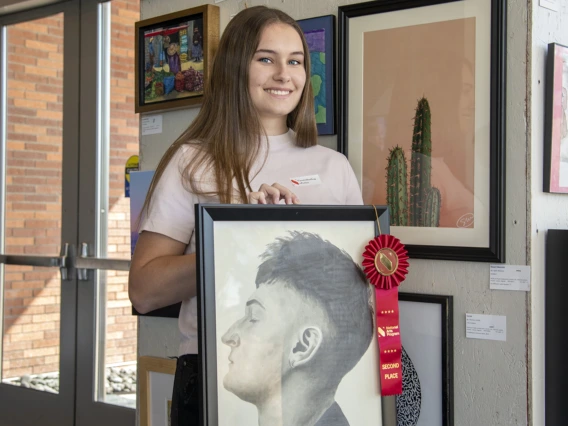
{"points": [[33, 193]]}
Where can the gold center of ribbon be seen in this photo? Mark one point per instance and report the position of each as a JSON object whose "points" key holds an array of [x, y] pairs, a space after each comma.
{"points": [[386, 262]]}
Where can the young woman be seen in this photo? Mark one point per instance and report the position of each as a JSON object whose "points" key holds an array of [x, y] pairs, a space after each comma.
{"points": [[253, 141]]}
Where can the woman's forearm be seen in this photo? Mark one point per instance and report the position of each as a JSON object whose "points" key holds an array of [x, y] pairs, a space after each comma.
{"points": [[162, 281]]}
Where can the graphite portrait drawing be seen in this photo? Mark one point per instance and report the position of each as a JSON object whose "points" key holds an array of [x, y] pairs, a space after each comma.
{"points": [[294, 319]]}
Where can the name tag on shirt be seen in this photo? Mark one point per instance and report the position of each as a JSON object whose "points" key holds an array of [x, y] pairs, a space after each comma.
{"points": [[306, 180]]}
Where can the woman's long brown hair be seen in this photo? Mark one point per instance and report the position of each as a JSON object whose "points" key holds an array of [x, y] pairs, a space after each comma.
{"points": [[227, 131]]}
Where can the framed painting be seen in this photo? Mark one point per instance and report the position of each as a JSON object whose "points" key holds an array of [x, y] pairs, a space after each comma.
{"points": [[139, 185], [422, 120], [156, 381], [320, 36], [556, 120], [426, 327], [173, 55], [286, 333]]}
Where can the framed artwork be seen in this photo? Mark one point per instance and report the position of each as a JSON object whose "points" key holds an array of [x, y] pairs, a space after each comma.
{"points": [[555, 341], [286, 333], [155, 383], [426, 328], [173, 55], [139, 185], [556, 120], [422, 120], [320, 36]]}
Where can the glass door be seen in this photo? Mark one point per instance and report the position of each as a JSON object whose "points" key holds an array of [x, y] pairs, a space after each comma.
{"points": [[68, 347], [39, 209], [106, 342]]}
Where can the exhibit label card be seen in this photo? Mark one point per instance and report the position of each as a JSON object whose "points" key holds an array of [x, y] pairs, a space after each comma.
{"points": [[510, 277], [550, 4], [151, 124], [489, 327]]}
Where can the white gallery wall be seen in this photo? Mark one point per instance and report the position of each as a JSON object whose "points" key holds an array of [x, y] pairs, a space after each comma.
{"points": [[490, 378]]}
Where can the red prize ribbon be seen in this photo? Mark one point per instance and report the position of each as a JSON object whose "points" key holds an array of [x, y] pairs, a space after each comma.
{"points": [[385, 262]]}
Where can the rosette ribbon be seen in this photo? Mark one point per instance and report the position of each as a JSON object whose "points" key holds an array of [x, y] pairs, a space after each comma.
{"points": [[385, 262]]}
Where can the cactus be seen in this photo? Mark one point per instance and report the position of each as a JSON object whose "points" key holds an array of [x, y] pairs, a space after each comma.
{"points": [[397, 193], [421, 163], [431, 208]]}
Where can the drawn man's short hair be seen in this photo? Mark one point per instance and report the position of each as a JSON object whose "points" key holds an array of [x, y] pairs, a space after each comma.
{"points": [[327, 276]]}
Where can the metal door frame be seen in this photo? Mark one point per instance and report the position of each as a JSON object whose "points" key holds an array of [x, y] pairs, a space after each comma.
{"points": [[93, 197], [21, 406]]}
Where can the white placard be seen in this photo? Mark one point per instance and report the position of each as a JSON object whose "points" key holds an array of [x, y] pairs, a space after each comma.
{"points": [[510, 277], [489, 327], [550, 4], [151, 124], [306, 180]]}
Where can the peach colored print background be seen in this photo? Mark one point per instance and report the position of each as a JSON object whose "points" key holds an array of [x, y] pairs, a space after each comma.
{"points": [[400, 66]]}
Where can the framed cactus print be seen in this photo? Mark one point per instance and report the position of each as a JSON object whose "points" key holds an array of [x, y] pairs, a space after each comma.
{"points": [[422, 120], [173, 55]]}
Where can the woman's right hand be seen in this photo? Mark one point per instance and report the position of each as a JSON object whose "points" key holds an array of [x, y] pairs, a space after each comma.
{"points": [[272, 194]]}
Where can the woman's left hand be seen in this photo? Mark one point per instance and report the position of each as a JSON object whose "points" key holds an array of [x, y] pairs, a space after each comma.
{"points": [[272, 194]]}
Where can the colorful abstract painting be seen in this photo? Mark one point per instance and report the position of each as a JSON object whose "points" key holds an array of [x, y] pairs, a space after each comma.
{"points": [[316, 44], [319, 33]]}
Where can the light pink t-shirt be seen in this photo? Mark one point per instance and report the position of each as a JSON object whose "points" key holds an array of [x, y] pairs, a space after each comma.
{"points": [[330, 177]]}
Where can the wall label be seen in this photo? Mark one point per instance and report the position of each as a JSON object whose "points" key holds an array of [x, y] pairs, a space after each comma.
{"points": [[510, 277], [488, 327]]}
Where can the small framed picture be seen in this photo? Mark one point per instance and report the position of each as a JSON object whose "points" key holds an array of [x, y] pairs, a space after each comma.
{"points": [[173, 56], [320, 36], [556, 120], [155, 383], [422, 120], [426, 328], [287, 330]]}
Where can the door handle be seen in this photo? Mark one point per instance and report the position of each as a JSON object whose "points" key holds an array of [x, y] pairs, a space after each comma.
{"points": [[67, 262], [84, 262], [60, 261]]}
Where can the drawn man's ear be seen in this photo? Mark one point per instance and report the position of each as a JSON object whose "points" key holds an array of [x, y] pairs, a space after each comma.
{"points": [[309, 341]]}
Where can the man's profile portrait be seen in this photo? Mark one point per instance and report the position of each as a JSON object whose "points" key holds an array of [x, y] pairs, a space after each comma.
{"points": [[305, 326]]}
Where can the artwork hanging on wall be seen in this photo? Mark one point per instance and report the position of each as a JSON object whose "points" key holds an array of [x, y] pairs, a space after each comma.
{"points": [[173, 56], [422, 120], [155, 384], [320, 36], [139, 185], [556, 120], [426, 327], [555, 339], [279, 286]]}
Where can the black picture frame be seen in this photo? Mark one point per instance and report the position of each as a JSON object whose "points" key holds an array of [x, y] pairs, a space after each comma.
{"points": [[555, 338], [440, 404], [325, 25], [170, 311], [452, 243], [248, 224]]}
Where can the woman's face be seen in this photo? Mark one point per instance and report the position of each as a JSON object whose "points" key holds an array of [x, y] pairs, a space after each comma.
{"points": [[277, 76]]}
